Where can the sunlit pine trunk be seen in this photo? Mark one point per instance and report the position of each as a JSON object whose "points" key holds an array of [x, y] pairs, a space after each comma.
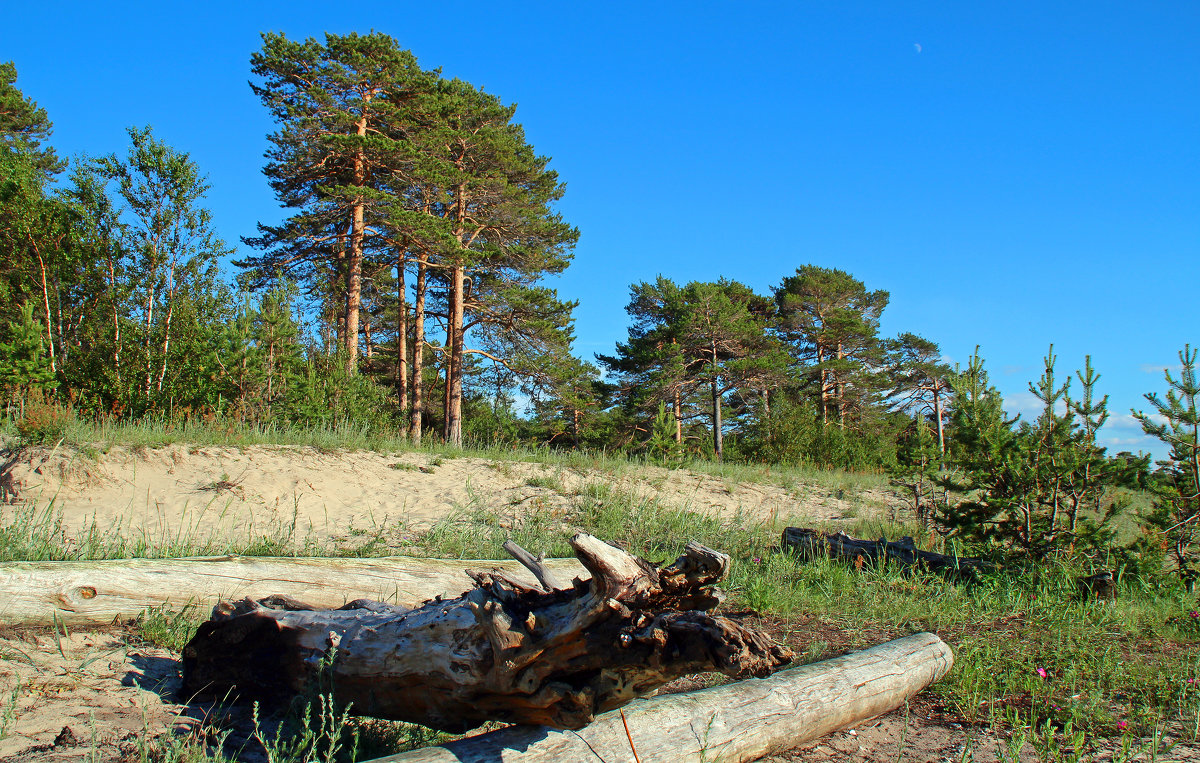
{"points": [[824, 386], [840, 389], [937, 413], [454, 382], [418, 354], [355, 259], [677, 405], [454, 369], [401, 338]]}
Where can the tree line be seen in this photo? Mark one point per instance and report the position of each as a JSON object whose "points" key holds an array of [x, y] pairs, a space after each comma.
{"points": [[405, 291]]}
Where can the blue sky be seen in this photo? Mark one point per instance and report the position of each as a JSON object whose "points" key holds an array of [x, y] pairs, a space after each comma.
{"points": [[1014, 174]]}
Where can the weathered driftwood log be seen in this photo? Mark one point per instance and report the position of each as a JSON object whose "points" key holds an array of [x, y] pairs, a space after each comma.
{"points": [[99, 592], [502, 651], [741, 721], [812, 543]]}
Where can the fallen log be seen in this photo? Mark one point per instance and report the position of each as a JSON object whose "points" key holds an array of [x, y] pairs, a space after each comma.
{"points": [[99, 592], [737, 722], [812, 543], [502, 651]]}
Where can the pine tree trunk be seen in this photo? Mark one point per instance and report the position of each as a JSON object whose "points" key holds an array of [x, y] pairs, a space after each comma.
{"points": [[454, 417], [401, 338], [353, 303], [418, 354], [678, 404], [824, 386], [718, 440], [840, 389], [454, 367], [354, 264], [767, 414], [937, 412]]}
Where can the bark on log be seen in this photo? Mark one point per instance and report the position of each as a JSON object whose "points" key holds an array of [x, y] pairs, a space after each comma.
{"points": [[502, 651], [99, 592], [812, 543], [741, 721]]}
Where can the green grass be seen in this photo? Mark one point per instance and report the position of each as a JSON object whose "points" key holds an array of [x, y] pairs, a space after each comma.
{"points": [[1135, 661], [1129, 660]]}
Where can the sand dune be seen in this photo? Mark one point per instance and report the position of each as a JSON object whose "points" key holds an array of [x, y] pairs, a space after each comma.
{"points": [[329, 494]]}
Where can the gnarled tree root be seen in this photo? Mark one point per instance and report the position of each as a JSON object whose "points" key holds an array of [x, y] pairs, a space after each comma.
{"points": [[501, 651]]}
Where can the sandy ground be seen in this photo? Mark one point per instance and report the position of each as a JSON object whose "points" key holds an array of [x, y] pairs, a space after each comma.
{"points": [[259, 489], [98, 691], [103, 696], [102, 693]]}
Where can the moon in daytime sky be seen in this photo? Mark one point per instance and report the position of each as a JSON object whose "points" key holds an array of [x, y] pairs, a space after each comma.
{"points": [[917, 45]]}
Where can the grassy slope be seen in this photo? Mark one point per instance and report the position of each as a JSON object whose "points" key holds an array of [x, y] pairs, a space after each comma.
{"points": [[1111, 670]]}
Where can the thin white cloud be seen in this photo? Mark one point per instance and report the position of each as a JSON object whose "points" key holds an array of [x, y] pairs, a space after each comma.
{"points": [[1126, 421], [1158, 368]]}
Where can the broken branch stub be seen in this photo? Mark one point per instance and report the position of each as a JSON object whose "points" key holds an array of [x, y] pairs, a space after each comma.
{"points": [[502, 651]]}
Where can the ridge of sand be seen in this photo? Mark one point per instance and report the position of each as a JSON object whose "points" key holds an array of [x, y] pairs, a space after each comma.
{"points": [[255, 489]]}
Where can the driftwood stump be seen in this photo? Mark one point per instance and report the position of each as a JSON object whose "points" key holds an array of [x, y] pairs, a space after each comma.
{"points": [[811, 543], [501, 651]]}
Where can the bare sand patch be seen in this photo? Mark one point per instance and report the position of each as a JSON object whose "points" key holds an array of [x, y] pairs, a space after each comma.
{"points": [[328, 494]]}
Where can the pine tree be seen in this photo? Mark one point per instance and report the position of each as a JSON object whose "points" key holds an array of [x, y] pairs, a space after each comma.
{"points": [[917, 468], [723, 331], [1036, 489], [832, 322], [919, 380], [703, 338], [24, 364], [343, 110], [651, 365], [487, 218], [1175, 421], [25, 128], [35, 227]]}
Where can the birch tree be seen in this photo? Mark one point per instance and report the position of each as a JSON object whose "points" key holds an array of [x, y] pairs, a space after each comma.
{"points": [[169, 238]]}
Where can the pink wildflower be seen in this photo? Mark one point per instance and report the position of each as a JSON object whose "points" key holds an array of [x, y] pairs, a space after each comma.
{"points": [[1122, 725], [757, 560], [1042, 672]]}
